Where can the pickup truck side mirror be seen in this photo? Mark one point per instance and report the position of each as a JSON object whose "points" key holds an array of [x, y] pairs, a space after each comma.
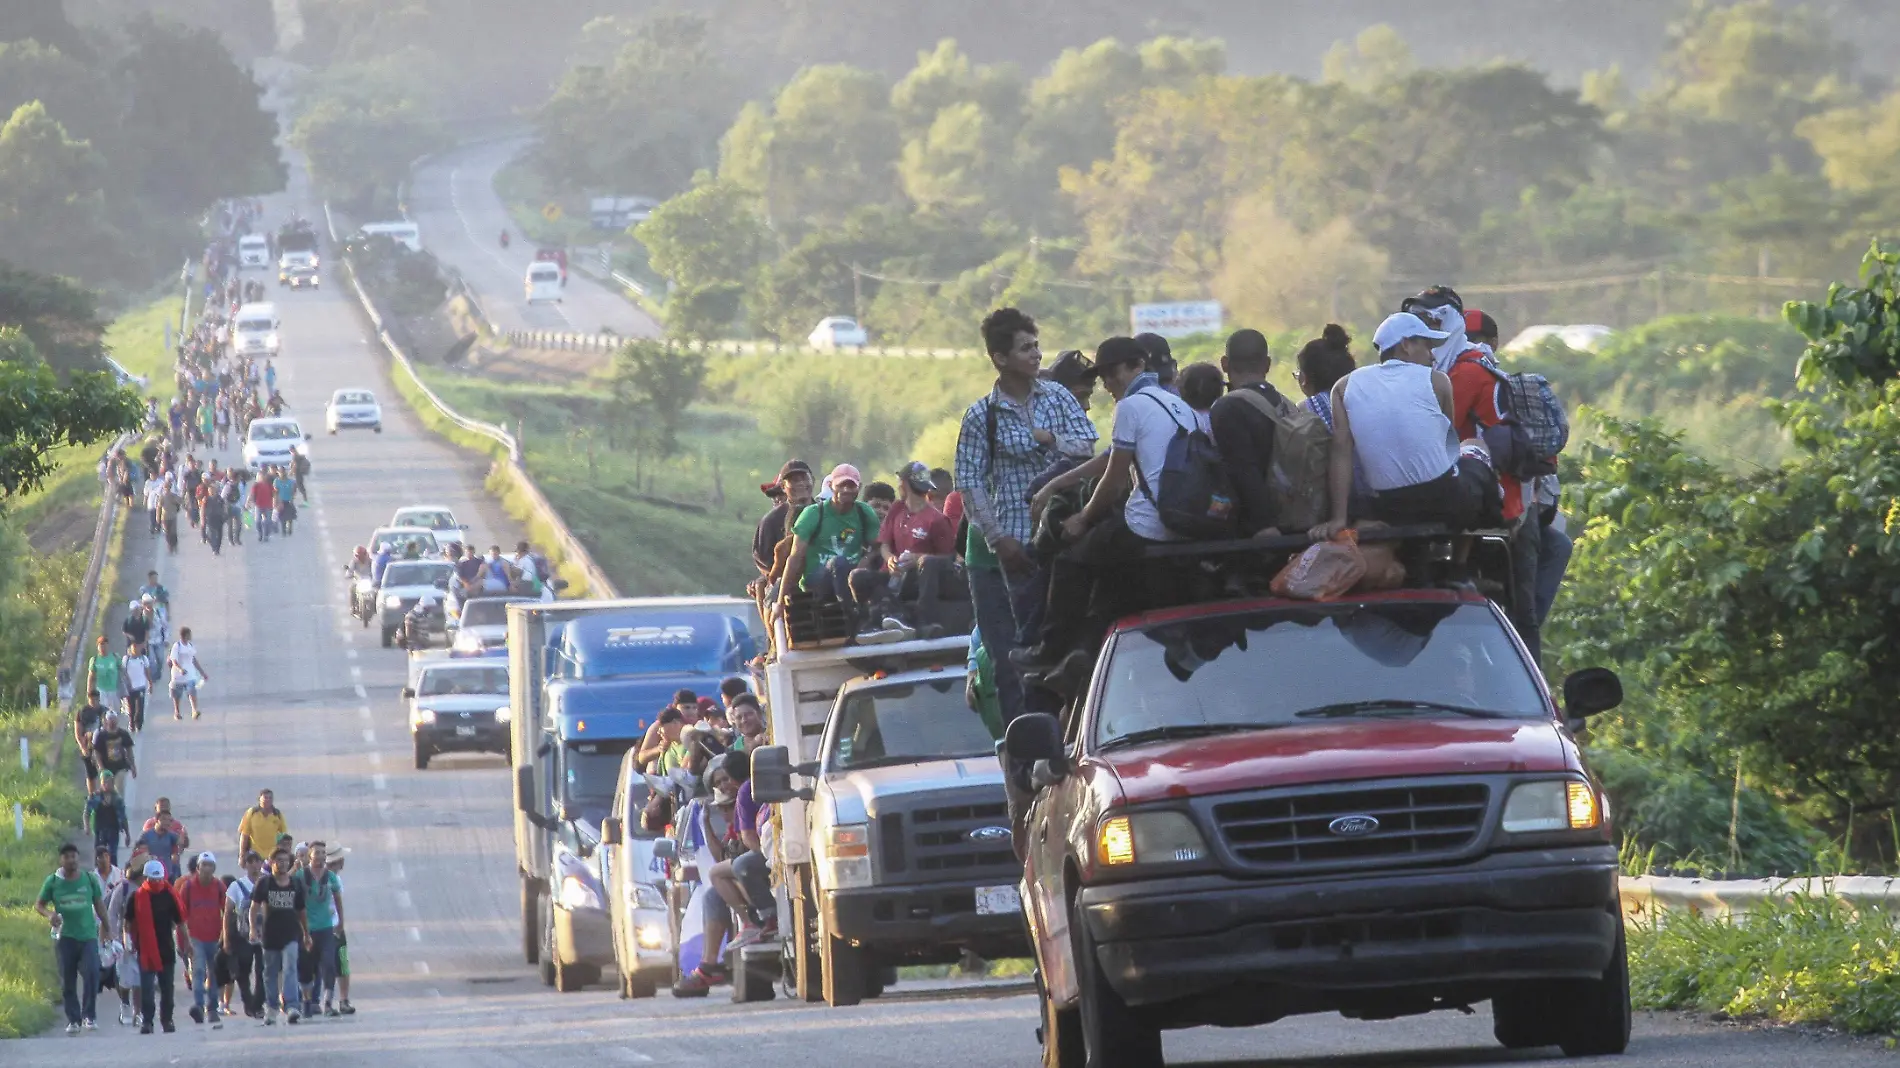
{"points": [[567, 812], [1033, 753], [408, 693], [772, 776], [611, 832], [1591, 692], [666, 849]]}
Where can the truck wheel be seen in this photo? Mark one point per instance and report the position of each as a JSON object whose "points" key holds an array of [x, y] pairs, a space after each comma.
{"points": [[571, 977], [848, 971], [548, 953], [806, 970], [635, 986], [389, 637], [1060, 1032], [1596, 1020], [1113, 1035], [422, 756], [1524, 1017], [530, 922]]}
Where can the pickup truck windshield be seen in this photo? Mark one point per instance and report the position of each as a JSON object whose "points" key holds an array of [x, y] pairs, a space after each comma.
{"points": [[431, 520], [593, 769], [1279, 667], [253, 326], [356, 398], [415, 574], [275, 432], [463, 682], [487, 611], [906, 724]]}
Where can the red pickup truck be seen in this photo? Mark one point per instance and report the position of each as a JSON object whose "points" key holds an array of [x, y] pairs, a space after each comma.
{"points": [[1264, 808]]}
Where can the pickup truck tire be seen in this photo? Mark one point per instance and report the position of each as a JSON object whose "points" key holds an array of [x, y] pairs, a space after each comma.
{"points": [[530, 922], [422, 756], [1113, 1035], [548, 954], [636, 987], [389, 637], [1597, 1023], [1060, 1032], [805, 968], [848, 971]]}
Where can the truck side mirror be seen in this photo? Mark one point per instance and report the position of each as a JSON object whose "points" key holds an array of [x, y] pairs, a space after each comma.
{"points": [[611, 833], [1033, 743], [666, 849], [772, 776], [408, 693], [524, 788], [1591, 692]]}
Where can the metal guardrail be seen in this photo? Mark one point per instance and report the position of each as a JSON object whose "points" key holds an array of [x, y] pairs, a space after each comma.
{"points": [[1643, 895], [572, 342], [567, 546]]}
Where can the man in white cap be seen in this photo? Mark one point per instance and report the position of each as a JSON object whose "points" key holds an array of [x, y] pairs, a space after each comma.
{"points": [[154, 918], [203, 898], [1394, 417], [830, 537]]}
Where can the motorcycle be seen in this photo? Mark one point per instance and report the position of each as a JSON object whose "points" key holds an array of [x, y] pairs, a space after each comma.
{"points": [[420, 625], [504, 239]]}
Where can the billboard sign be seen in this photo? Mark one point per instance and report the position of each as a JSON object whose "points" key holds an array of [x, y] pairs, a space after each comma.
{"points": [[1178, 319]]}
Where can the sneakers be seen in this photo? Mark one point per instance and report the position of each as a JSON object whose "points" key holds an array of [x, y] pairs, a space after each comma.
{"points": [[292, 1016], [72, 1029], [329, 1009], [91, 1026], [694, 984], [197, 1015], [166, 1026], [270, 1018], [125, 1015], [145, 1028], [213, 1018], [747, 935], [347, 1009]]}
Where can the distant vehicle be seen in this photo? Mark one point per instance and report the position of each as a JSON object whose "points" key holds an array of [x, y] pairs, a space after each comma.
{"points": [[458, 706], [400, 538], [1584, 337], [556, 256], [544, 282], [353, 408], [299, 276], [274, 441], [434, 517], [481, 625], [296, 246], [403, 233], [839, 332], [404, 583], [255, 331], [253, 251], [124, 377]]}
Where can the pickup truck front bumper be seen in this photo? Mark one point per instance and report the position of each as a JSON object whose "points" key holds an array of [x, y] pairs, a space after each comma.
{"points": [[1535, 914], [584, 936], [923, 918]]}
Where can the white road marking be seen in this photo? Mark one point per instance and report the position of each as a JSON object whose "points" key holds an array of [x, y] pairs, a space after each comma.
{"points": [[397, 869], [380, 781], [369, 736], [356, 673], [382, 809], [389, 833], [349, 653], [375, 758], [361, 693], [434, 993], [415, 934], [422, 967], [403, 899], [363, 710]]}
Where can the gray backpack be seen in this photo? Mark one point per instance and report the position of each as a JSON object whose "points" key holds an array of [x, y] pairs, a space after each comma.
{"points": [[1302, 456]]}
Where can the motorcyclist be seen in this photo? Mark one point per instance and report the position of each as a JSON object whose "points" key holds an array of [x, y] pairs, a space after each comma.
{"points": [[504, 239]]}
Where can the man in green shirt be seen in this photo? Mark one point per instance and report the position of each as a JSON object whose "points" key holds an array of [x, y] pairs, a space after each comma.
{"points": [[830, 537], [102, 674], [74, 902]]}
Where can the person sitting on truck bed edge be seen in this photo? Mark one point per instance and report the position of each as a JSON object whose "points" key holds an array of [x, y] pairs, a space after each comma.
{"points": [[1244, 432], [1005, 440], [917, 549], [830, 537], [1394, 417], [1108, 533]]}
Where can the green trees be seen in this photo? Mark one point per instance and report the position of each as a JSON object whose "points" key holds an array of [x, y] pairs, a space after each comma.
{"points": [[360, 152], [653, 383], [52, 198], [186, 90], [708, 242]]}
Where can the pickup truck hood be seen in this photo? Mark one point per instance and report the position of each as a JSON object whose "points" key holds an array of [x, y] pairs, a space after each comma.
{"points": [[1339, 751], [856, 793], [463, 702]]}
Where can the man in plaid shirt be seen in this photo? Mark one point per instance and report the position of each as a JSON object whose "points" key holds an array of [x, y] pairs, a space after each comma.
{"points": [[1009, 437]]}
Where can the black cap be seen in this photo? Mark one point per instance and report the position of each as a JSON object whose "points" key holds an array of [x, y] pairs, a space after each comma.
{"points": [[1117, 351], [1435, 297], [1160, 356], [1070, 370], [794, 467]]}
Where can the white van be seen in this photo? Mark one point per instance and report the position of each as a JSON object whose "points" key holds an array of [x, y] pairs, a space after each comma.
{"points": [[544, 281], [253, 251], [403, 233], [254, 331]]}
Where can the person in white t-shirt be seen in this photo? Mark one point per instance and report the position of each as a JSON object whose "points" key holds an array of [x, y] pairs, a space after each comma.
{"points": [[244, 952], [138, 681], [1107, 533], [188, 673]]}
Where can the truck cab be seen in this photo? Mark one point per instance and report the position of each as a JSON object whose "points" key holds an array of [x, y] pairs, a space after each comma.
{"points": [[899, 850], [1372, 806]]}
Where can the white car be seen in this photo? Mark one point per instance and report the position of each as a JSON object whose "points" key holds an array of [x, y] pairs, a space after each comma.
{"points": [[432, 517], [353, 408], [1583, 337], [400, 538], [253, 251], [839, 332], [274, 441], [255, 331]]}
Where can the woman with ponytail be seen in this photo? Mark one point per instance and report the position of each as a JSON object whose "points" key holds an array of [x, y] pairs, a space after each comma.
{"points": [[1322, 362]]}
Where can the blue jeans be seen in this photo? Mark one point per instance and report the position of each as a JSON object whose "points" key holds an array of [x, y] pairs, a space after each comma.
{"points": [[1553, 559], [996, 621], [204, 971], [323, 944], [79, 977], [280, 979]]}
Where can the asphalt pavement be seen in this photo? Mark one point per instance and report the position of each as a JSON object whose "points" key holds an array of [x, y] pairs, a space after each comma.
{"points": [[452, 199], [303, 700]]}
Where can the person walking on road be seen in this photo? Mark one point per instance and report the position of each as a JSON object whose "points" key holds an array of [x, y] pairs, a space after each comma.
{"points": [[203, 897], [138, 683], [263, 824], [187, 674], [126, 969], [323, 902], [277, 910], [112, 747], [102, 673], [74, 902], [264, 501], [87, 719], [241, 946], [163, 838], [154, 925], [106, 817]]}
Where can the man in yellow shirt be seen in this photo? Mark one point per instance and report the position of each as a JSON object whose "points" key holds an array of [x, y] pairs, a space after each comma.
{"points": [[261, 826]]}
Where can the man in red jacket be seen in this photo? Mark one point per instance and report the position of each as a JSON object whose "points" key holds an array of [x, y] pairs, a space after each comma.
{"points": [[155, 927], [202, 895]]}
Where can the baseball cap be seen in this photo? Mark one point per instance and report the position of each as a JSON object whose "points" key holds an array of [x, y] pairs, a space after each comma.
{"points": [[154, 869], [1071, 369], [1401, 326], [207, 857], [844, 473], [917, 476], [794, 467], [1160, 355], [1478, 324], [1434, 297], [1117, 351], [104, 775]]}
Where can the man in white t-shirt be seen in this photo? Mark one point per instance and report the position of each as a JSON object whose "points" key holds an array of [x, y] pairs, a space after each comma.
{"points": [[245, 954], [187, 674], [1108, 533]]}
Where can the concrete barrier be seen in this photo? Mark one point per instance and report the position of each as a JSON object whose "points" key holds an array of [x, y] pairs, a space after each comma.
{"points": [[1647, 895], [549, 339]]}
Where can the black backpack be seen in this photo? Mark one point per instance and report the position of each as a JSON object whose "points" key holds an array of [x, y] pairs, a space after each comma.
{"points": [[1196, 498]]}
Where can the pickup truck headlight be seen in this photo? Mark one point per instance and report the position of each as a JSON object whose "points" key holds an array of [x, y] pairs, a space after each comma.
{"points": [[425, 716], [576, 894], [848, 856], [1149, 838], [648, 897], [467, 642], [1557, 805], [504, 714], [392, 601]]}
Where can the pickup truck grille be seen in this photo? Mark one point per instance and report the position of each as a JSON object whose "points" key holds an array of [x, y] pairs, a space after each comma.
{"points": [[930, 844], [1297, 830]]}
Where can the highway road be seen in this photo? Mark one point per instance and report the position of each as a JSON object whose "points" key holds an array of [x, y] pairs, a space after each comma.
{"points": [[452, 198], [304, 701]]}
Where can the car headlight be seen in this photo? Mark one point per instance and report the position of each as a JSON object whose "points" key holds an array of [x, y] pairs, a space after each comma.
{"points": [[392, 601], [425, 716], [1557, 805], [1149, 838], [576, 894], [503, 715], [646, 896], [468, 642], [650, 936], [848, 856]]}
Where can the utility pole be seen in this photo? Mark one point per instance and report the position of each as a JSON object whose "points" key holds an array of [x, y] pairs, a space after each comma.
{"points": [[857, 294]]}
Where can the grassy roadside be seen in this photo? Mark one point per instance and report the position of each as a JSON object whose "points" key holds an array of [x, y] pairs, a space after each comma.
{"points": [[52, 805]]}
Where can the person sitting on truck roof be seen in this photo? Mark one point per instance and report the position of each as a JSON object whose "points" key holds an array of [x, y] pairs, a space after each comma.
{"points": [[1116, 525], [917, 550], [660, 742], [713, 828], [1245, 433], [1394, 419], [830, 537], [748, 723], [794, 484]]}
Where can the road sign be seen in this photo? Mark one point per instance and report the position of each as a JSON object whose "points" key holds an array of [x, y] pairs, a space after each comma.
{"points": [[551, 212], [1179, 319]]}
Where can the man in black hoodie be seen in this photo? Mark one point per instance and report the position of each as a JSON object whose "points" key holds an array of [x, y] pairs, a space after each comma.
{"points": [[1244, 432]]}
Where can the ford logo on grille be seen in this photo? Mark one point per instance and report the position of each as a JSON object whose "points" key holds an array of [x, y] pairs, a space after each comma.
{"points": [[1353, 826], [990, 834]]}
